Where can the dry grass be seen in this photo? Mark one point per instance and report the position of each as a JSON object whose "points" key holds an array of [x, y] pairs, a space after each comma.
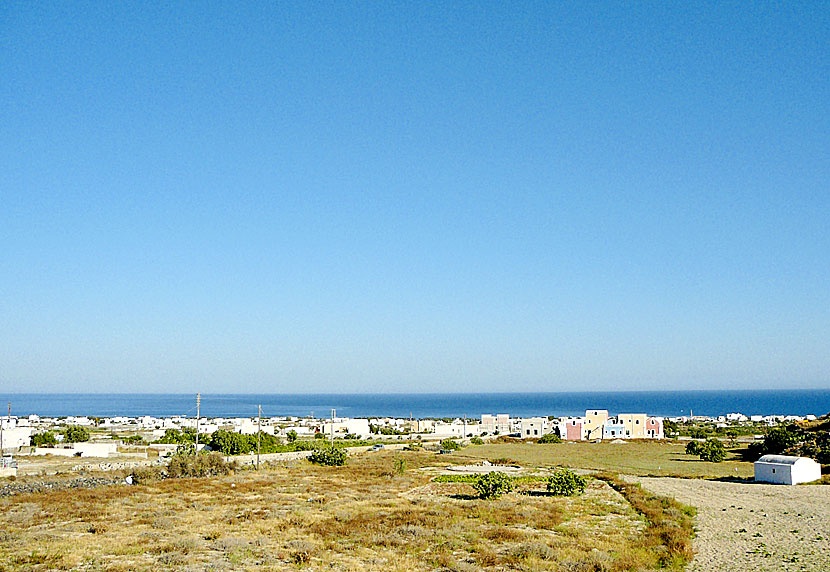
{"points": [[656, 458], [362, 516]]}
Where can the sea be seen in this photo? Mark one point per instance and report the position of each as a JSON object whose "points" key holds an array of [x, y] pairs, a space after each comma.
{"points": [[422, 405]]}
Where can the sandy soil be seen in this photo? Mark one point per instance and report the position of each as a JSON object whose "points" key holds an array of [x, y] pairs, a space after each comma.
{"points": [[742, 526]]}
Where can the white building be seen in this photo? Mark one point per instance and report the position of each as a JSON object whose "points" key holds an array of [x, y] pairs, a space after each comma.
{"points": [[534, 427], [786, 470], [494, 424]]}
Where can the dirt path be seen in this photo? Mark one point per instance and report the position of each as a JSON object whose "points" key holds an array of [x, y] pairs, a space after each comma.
{"points": [[752, 526]]}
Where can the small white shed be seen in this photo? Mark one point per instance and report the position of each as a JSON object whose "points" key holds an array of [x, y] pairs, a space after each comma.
{"points": [[786, 470]]}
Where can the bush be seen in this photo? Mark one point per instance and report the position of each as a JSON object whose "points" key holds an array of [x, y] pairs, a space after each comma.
{"points": [[692, 448], [329, 457], [549, 438], [291, 436], [713, 451], [451, 445], [319, 436], [75, 434], [566, 483], [493, 485], [477, 441]]}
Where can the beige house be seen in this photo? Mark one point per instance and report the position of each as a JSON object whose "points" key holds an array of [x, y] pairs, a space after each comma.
{"points": [[595, 419], [634, 425]]}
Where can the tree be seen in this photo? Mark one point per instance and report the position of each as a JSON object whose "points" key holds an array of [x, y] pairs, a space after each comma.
{"points": [[713, 451], [692, 448], [291, 436], [43, 439], [697, 433], [75, 434]]}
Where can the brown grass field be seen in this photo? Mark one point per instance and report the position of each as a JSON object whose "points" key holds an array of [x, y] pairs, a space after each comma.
{"points": [[634, 457], [363, 516]]}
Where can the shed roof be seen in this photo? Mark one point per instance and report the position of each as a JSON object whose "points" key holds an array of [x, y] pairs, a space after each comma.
{"points": [[781, 459]]}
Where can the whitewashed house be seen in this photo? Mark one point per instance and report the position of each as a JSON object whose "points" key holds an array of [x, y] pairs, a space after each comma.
{"points": [[786, 470], [535, 427]]}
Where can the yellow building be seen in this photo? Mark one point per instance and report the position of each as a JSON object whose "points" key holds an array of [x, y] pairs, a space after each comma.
{"points": [[595, 419], [634, 425]]}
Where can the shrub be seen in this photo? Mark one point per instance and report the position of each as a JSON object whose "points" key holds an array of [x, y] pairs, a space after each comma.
{"points": [[566, 483], [493, 485], [330, 457], [549, 438], [400, 466], [692, 448], [203, 465], [291, 436], [477, 441], [450, 445], [319, 436], [712, 450]]}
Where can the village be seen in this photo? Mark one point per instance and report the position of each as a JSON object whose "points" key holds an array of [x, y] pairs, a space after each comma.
{"points": [[112, 436]]}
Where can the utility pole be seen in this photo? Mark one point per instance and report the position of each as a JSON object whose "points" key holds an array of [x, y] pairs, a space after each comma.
{"points": [[465, 429], [258, 431], [332, 427], [198, 403], [2, 450]]}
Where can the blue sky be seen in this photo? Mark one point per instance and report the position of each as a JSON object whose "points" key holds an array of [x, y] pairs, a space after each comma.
{"points": [[407, 197]]}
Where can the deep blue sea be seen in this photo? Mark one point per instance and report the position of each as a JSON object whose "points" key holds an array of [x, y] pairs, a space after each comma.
{"points": [[664, 403]]}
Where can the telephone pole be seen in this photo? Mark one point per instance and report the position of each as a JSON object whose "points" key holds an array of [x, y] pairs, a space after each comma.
{"points": [[332, 427], [198, 403], [258, 431]]}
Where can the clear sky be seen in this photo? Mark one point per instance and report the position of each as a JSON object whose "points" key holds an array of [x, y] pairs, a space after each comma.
{"points": [[406, 197]]}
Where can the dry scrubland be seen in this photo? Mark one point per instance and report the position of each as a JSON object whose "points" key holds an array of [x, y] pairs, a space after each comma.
{"points": [[363, 516], [633, 457]]}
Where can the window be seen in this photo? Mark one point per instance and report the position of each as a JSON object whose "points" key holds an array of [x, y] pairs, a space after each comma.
{"points": [[773, 470], [637, 421]]}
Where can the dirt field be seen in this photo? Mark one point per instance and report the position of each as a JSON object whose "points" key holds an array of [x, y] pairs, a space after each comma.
{"points": [[752, 526], [645, 458]]}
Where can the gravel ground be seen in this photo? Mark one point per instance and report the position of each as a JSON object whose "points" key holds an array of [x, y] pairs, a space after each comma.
{"points": [[742, 526]]}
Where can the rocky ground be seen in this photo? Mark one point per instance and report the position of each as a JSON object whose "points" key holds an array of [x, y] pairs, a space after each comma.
{"points": [[747, 526]]}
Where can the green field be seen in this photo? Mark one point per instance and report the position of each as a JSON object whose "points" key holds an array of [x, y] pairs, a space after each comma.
{"points": [[633, 457]]}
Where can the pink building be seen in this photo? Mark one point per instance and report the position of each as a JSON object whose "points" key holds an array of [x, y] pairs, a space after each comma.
{"points": [[573, 430], [654, 428]]}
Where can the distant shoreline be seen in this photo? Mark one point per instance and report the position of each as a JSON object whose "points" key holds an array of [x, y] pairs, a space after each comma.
{"points": [[711, 403]]}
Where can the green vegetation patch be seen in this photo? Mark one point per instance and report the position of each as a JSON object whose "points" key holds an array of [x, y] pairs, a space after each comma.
{"points": [[670, 523]]}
